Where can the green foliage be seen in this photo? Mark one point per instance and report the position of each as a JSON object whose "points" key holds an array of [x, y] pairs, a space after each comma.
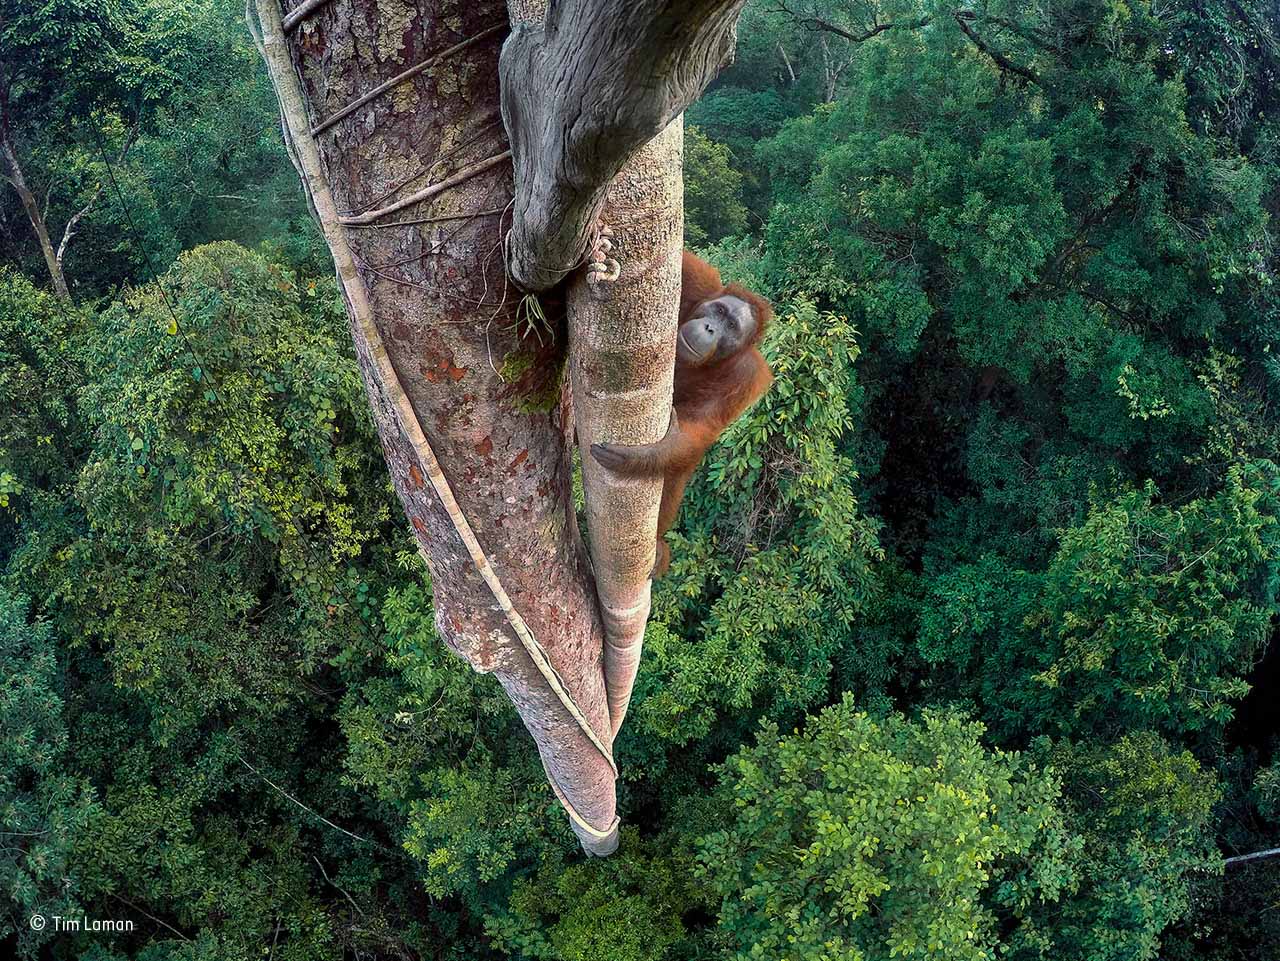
{"points": [[62, 55], [1015, 481], [1231, 909], [169, 100], [209, 557], [42, 807], [627, 908], [209, 165], [440, 745], [775, 506], [865, 838], [40, 436], [1166, 604], [1146, 616], [712, 205], [230, 450], [1143, 810]]}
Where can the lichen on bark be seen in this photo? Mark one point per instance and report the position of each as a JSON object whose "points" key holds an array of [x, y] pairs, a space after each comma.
{"points": [[438, 296]]}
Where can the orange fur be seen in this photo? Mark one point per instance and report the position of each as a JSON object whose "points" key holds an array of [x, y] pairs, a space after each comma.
{"points": [[707, 399]]}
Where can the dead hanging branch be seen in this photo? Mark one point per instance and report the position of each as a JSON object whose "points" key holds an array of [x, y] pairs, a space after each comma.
{"points": [[1255, 856], [964, 20], [582, 90], [466, 173], [400, 78]]}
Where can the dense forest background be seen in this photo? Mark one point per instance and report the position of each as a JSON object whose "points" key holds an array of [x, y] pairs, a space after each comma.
{"points": [[964, 653]]}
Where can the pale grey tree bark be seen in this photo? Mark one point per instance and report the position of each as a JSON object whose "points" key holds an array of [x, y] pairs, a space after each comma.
{"points": [[582, 90], [17, 179]]}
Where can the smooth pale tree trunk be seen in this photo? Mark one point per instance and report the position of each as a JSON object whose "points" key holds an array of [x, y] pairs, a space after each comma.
{"points": [[592, 92], [52, 259], [623, 337], [396, 123], [622, 357]]}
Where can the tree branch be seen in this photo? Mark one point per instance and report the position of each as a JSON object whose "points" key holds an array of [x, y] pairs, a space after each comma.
{"points": [[962, 18], [301, 12], [581, 92], [1019, 30], [791, 72], [283, 793], [1255, 856], [69, 230], [816, 23]]}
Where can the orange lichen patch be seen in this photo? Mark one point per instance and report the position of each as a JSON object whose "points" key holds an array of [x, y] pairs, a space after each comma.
{"points": [[438, 368], [443, 371], [415, 477], [485, 447]]}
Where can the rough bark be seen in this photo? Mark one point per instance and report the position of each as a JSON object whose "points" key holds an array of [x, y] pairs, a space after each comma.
{"points": [[393, 116], [441, 329], [582, 91]]}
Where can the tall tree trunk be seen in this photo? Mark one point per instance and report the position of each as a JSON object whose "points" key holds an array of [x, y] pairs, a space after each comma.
{"points": [[622, 338], [592, 92], [830, 71], [13, 173], [393, 119], [786, 62], [434, 321]]}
